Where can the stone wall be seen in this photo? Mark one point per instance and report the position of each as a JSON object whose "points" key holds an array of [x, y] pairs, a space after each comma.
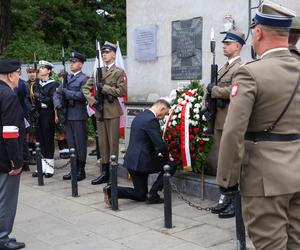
{"points": [[155, 76]]}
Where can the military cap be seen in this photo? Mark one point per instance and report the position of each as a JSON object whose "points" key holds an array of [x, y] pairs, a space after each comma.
{"points": [[296, 24], [109, 47], [75, 56], [46, 64], [234, 36], [30, 69], [272, 14], [9, 65]]}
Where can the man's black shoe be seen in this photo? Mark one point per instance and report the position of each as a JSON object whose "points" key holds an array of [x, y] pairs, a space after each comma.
{"points": [[93, 152], [67, 176], [35, 174], [103, 178], [64, 155], [221, 206], [229, 212], [25, 168], [154, 199], [48, 175], [11, 245], [81, 176]]}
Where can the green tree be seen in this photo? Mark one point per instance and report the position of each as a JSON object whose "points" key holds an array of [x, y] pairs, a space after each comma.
{"points": [[44, 26]]}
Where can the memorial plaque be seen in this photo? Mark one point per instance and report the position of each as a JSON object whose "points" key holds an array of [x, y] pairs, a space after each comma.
{"points": [[187, 49], [145, 43]]}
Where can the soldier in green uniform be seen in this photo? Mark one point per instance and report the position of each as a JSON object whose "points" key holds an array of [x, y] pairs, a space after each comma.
{"points": [[260, 144], [114, 86], [232, 45], [294, 38]]}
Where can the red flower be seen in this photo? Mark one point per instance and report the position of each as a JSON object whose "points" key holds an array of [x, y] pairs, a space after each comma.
{"points": [[203, 135], [196, 130], [190, 130], [172, 131], [201, 142], [192, 137], [172, 143], [177, 127], [189, 93], [192, 149], [201, 149], [169, 137], [194, 156]]}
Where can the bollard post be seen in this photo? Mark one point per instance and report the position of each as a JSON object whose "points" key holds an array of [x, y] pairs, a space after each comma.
{"points": [[167, 197], [73, 172], [39, 167], [239, 223], [114, 182]]}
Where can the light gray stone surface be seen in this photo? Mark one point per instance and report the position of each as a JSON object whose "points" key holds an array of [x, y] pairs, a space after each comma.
{"points": [[49, 218]]}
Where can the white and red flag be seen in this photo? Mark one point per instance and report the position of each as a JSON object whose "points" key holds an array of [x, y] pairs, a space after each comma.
{"points": [[120, 63]]}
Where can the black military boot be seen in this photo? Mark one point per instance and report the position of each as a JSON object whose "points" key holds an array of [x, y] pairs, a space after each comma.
{"points": [[67, 176], [80, 170], [104, 176], [229, 211], [221, 206]]}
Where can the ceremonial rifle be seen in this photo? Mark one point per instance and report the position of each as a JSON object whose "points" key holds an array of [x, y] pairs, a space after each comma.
{"points": [[210, 112], [63, 110], [98, 86]]}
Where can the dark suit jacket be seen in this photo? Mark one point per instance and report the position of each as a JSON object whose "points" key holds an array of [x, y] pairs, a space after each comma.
{"points": [[145, 144]]}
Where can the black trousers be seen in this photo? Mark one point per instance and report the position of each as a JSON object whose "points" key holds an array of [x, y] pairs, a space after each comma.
{"points": [[140, 184], [45, 132], [77, 138]]}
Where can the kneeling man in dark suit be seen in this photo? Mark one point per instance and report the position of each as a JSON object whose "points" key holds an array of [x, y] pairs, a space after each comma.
{"points": [[147, 153]]}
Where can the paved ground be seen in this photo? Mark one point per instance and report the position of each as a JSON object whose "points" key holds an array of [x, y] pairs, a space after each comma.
{"points": [[49, 218]]}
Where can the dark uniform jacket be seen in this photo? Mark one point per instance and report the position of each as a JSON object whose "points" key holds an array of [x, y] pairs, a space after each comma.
{"points": [[261, 91], [145, 145], [113, 84], [73, 97], [12, 130]]}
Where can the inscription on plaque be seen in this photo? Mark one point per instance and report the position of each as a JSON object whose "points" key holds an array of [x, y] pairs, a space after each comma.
{"points": [[187, 49], [145, 43]]}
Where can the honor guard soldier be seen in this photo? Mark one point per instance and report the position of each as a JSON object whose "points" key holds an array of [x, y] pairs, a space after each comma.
{"points": [[70, 97], [43, 95], [11, 150], [113, 86], [232, 45], [294, 36], [260, 144], [31, 137]]}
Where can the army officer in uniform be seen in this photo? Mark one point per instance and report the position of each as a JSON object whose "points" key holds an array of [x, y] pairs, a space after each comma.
{"points": [[263, 125], [112, 87], [70, 95], [232, 45]]}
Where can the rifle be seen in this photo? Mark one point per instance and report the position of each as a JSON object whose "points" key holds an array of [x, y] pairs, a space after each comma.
{"points": [[62, 112], [34, 112], [210, 112], [98, 86]]}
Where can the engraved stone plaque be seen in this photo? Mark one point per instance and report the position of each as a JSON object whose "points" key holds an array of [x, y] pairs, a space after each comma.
{"points": [[187, 49], [145, 43]]}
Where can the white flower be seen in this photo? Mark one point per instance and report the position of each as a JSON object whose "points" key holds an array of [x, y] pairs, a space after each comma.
{"points": [[203, 118], [196, 110], [197, 116], [174, 123], [186, 97], [174, 117], [192, 99], [179, 115], [197, 105], [180, 100]]}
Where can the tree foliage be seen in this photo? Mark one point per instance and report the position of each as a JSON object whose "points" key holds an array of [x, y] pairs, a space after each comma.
{"points": [[44, 26]]}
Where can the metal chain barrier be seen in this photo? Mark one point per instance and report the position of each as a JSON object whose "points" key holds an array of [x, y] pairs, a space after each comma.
{"points": [[191, 204], [55, 159]]}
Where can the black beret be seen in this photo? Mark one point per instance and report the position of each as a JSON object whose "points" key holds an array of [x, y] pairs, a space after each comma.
{"points": [[75, 56], [9, 65]]}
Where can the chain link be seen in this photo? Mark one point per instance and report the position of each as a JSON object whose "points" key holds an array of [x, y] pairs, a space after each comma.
{"points": [[55, 159], [191, 204]]}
